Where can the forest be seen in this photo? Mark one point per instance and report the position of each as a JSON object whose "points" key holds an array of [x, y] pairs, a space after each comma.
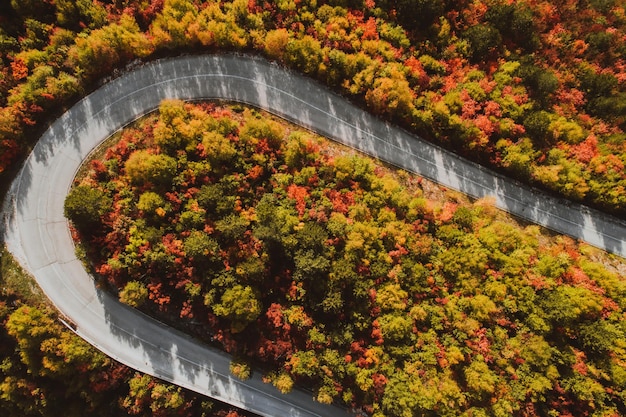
{"points": [[326, 269], [532, 88], [48, 371]]}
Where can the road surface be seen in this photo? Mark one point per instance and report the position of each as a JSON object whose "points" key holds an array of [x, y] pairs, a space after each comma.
{"points": [[37, 233]]}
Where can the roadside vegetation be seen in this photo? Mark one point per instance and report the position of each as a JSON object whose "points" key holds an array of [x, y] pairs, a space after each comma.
{"points": [[48, 371], [480, 315], [328, 269], [533, 88]]}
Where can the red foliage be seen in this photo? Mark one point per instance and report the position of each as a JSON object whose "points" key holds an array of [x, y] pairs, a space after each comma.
{"points": [[586, 150], [377, 334], [9, 150], [379, 381], [19, 70], [341, 200], [447, 212], [480, 344], [255, 172], [157, 296], [370, 31], [299, 194]]}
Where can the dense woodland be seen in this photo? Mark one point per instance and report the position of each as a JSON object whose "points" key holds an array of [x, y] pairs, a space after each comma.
{"points": [[48, 371], [533, 88], [377, 288]]}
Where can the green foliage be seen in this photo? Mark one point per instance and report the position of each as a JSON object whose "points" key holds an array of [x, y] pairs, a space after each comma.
{"points": [[256, 129], [157, 169], [304, 54], [96, 53], [541, 82], [484, 39], [419, 13], [134, 294], [537, 125], [514, 21], [469, 278], [240, 305], [86, 205], [150, 202], [349, 277], [69, 12]]}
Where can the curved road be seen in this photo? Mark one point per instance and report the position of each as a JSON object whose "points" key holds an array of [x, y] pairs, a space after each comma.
{"points": [[36, 231]]}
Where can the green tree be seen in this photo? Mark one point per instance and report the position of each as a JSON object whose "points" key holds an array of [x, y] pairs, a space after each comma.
{"points": [[257, 129], [216, 199], [391, 94], [134, 294], [566, 305], [143, 167], [232, 227], [30, 326], [515, 21], [98, 52], [304, 54], [240, 305], [201, 247], [480, 380], [149, 202], [85, 206], [484, 41], [395, 327], [537, 125], [73, 13], [416, 14]]}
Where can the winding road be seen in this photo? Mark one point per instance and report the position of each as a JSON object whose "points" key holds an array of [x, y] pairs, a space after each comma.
{"points": [[37, 233]]}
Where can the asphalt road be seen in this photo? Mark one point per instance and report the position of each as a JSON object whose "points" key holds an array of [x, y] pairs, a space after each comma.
{"points": [[37, 233]]}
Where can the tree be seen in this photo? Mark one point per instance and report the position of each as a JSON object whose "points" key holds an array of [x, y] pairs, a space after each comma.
{"points": [[484, 40], [74, 13], [170, 26], [86, 205], [35, 8], [150, 202], [99, 52], [240, 305], [566, 305], [537, 125], [134, 294], [416, 14], [480, 380], [232, 227], [201, 247], [515, 21], [391, 94], [240, 369], [283, 382], [145, 168], [255, 130], [304, 54], [395, 327], [30, 326], [276, 43]]}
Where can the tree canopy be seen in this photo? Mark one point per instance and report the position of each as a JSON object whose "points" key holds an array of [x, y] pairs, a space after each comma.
{"points": [[376, 287]]}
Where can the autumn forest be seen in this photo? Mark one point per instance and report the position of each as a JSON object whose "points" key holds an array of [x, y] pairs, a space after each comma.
{"points": [[377, 289]]}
